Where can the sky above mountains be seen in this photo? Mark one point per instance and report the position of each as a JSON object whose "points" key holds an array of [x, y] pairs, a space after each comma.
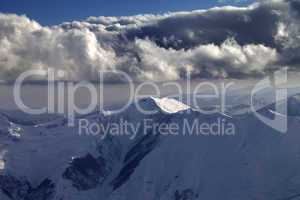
{"points": [[219, 42], [57, 11]]}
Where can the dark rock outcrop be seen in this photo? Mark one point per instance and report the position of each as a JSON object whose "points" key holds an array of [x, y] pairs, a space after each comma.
{"points": [[19, 189], [133, 157], [14, 188], [187, 194], [44, 191], [139, 150], [86, 172]]}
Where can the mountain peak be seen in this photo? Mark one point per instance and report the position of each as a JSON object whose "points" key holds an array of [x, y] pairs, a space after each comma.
{"points": [[165, 104]]}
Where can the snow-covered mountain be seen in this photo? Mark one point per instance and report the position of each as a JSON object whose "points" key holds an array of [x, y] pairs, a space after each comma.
{"points": [[49, 160]]}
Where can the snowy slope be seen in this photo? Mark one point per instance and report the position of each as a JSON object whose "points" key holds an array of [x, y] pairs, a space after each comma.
{"points": [[51, 161]]}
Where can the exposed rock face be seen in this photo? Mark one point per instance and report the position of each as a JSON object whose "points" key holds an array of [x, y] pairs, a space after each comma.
{"points": [[45, 191], [17, 189], [187, 194], [141, 148], [133, 157], [86, 172]]}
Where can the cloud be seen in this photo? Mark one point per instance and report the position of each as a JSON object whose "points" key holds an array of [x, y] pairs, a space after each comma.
{"points": [[218, 42], [228, 59]]}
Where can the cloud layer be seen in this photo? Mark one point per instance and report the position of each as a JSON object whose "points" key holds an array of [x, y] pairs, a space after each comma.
{"points": [[219, 42]]}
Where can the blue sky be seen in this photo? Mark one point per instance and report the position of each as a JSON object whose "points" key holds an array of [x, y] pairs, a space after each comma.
{"points": [[52, 12]]}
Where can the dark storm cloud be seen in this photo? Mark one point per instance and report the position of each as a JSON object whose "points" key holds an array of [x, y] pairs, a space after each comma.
{"points": [[219, 42], [254, 25]]}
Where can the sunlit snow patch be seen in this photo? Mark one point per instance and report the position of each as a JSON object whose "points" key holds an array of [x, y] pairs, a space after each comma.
{"points": [[170, 105]]}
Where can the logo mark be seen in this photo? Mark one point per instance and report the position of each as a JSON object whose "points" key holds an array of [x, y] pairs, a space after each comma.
{"points": [[279, 122]]}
